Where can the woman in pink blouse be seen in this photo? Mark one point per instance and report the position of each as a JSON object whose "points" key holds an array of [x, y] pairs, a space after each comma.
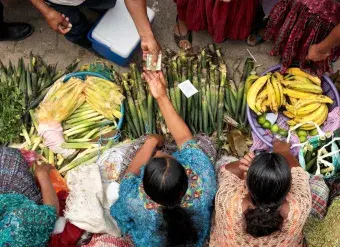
{"points": [[262, 200]]}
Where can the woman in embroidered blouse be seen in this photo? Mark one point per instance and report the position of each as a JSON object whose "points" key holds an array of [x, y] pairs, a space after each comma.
{"points": [[166, 200], [23, 220], [265, 205]]}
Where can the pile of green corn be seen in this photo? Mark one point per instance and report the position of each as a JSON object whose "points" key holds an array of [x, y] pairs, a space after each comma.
{"points": [[217, 95], [85, 125], [29, 83], [35, 79]]}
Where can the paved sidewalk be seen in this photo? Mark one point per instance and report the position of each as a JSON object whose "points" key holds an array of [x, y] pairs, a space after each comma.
{"points": [[53, 47]]}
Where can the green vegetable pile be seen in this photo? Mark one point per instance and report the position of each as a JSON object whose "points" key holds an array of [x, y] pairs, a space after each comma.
{"points": [[205, 111], [12, 108], [22, 88]]}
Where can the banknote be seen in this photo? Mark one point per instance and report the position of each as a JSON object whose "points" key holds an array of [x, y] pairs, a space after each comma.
{"points": [[149, 65]]}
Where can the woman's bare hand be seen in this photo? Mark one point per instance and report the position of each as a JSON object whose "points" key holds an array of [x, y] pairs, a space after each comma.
{"points": [[156, 83], [42, 170], [245, 162]]}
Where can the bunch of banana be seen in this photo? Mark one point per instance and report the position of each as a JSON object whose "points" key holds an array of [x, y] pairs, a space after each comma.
{"points": [[297, 93], [267, 93]]}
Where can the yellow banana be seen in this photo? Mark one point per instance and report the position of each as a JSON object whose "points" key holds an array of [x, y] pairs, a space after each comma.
{"points": [[271, 97], [292, 100], [291, 122], [318, 121], [299, 72], [279, 76], [284, 100], [317, 99], [288, 114], [304, 87], [260, 98], [265, 106], [301, 79], [285, 82], [297, 94], [254, 91], [282, 97], [275, 83], [318, 117], [290, 108], [308, 109]]}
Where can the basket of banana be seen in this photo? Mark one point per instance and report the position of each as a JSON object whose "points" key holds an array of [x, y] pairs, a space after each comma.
{"points": [[294, 97]]}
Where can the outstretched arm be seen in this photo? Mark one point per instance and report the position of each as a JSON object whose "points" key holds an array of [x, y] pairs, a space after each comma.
{"points": [[42, 173], [322, 50], [138, 12], [144, 154], [178, 129], [283, 148], [55, 20]]}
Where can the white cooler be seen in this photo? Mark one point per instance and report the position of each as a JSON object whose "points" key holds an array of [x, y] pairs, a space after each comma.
{"points": [[115, 37]]}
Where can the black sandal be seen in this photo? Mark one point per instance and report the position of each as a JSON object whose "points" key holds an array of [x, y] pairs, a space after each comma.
{"points": [[180, 37]]}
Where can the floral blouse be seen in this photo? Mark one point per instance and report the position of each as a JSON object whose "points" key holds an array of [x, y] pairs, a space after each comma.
{"points": [[24, 223], [140, 217], [228, 227]]}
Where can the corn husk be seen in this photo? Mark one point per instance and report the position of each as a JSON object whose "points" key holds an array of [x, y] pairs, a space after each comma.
{"points": [[104, 97], [61, 101]]}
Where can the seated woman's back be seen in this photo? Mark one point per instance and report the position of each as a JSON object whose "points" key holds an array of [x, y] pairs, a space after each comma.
{"points": [[142, 218], [246, 218]]}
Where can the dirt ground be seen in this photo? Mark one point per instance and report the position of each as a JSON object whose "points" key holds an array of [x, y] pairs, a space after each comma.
{"points": [[55, 48]]}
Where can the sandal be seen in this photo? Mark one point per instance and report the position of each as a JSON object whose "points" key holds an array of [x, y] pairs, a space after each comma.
{"points": [[180, 37], [258, 39]]}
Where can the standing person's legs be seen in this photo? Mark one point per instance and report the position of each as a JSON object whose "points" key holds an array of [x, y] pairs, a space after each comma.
{"points": [[100, 6], [1, 13], [80, 24], [13, 31]]}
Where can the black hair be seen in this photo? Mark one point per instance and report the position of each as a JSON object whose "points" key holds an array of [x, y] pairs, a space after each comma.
{"points": [[165, 182], [268, 181]]}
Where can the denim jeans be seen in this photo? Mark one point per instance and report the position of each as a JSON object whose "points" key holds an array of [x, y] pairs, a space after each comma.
{"points": [[80, 24]]}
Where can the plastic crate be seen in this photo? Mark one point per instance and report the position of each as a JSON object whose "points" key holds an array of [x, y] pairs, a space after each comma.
{"points": [[328, 87]]}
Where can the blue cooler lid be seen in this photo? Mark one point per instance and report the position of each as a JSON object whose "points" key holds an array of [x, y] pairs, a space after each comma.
{"points": [[117, 30]]}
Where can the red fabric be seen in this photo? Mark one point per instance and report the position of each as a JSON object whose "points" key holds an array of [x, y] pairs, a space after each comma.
{"points": [[29, 156], [62, 196], [294, 25], [68, 238], [71, 234], [223, 20]]}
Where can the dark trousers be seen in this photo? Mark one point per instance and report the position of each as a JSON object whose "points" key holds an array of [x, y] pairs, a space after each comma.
{"points": [[80, 24], [1, 16]]}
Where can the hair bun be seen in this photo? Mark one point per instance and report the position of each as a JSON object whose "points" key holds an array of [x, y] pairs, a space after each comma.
{"points": [[263, 221]]}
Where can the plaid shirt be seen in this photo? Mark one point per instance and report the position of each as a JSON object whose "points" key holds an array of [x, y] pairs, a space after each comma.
{"points": [[320, 193]]}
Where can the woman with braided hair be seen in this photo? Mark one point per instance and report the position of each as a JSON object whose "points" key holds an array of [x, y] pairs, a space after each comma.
{"points": [[262, 200], [166, 199]]}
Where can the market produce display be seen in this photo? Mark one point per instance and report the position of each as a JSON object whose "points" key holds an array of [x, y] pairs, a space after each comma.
{"points": [[218, 95], [22, 88], [296, 94], [70, 122], [71, 118]]}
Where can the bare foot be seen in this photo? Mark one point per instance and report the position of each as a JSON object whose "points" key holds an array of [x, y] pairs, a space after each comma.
{"points": [[256, 38], [181, 30]]}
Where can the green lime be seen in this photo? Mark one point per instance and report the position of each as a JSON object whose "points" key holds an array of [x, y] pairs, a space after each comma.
{"points": [[266, 125], [303, 139], [313, 132], [261, 119], [283, 133], [302, 133], [275, 128]]}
